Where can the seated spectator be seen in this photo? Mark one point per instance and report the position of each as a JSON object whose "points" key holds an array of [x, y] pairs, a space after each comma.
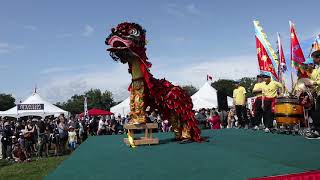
{"points": [[18, 153]]}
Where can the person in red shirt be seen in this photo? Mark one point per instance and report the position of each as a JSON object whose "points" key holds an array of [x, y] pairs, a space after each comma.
{"points": [[214, 120]]}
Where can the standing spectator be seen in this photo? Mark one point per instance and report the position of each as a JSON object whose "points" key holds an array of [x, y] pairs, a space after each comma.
{"points": [[42, 138], [165, 126], [21, 140], [223, 114], [214, 120], [239, 102], [29, 137], [72, 138], [55, 136], [153, 117], [63, 134], [6, 141], [231, 118], [201, 118], [102, 128]]}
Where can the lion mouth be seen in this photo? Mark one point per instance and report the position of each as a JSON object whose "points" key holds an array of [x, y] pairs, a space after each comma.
{"points": [[118, 44]]}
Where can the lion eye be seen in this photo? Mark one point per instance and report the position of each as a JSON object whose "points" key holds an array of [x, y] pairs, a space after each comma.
{"points": [[134, 32]]}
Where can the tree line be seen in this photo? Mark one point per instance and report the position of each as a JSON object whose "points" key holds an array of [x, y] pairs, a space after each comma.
{"points": [[105, 100]]}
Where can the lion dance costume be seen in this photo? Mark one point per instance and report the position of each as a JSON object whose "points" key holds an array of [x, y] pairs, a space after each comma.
{"points": [[127, 44]]}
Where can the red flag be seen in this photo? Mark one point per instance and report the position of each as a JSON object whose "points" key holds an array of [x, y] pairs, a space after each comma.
{"points": [[209, 78], [297, 57], [265, 63]]}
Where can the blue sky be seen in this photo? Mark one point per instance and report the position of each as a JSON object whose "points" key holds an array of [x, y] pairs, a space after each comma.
{"points": [[59, 45]]}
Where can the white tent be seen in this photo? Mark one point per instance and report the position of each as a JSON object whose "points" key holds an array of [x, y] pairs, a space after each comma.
{"points": [[206, 97], [33, 106], [230, 101], [123, 108]]}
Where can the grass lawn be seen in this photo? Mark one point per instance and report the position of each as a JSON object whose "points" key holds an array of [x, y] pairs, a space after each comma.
{"points": [[33, 170]]}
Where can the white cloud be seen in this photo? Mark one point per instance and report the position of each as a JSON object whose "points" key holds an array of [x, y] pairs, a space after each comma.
{"points": [[55, 70], [181, 11], [6, 48], [63, 87], [117, 80], [191, 8], [219, 68], [30, 27], [88, 31]]}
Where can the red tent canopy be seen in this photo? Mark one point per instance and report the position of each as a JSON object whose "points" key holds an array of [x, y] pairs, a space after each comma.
{"points": [[97, 112]]}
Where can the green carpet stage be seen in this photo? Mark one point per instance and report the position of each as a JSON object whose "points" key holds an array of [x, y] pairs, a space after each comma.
{"points": [[230, 154]]}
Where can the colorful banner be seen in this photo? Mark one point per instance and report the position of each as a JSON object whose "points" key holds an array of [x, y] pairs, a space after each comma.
{"points": [[265, 63], [297, 57], [267, 58]]}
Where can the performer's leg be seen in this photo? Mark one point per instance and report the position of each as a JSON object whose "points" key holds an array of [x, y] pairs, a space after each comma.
{"points": [[258, 112], [244, 115], [267, 114], [185, 130], [315, 115], [137, 104], [239, 115], [176, 126]]}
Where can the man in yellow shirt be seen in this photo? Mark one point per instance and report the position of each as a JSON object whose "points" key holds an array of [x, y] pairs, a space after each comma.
{"points": [[269, 93], [239, 101], [315, 114], [257, 106]]}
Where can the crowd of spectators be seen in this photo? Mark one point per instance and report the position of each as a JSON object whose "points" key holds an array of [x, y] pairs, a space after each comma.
{"points": [[25, 139]]}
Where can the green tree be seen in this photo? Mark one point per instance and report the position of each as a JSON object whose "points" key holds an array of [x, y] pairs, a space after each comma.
{"points": [[6, 101], [225, 85], [248, 83], [190, 89], [95, 99]]}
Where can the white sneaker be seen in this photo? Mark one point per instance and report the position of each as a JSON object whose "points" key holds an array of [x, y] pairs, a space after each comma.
{"points": [[256, 128], [267, 130]]}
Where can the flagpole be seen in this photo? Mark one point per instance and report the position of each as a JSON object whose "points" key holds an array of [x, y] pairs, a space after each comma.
{"points": [[279, 59]]}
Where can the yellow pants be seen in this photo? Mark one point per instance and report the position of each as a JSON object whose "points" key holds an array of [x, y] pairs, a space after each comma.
{"points": [[137, 105], [180, 128]]}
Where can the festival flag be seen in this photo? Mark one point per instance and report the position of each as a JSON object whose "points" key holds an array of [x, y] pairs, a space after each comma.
{"points": [[297, 57], [85, 105], [209, 78], [267, 58], [282, 61]]}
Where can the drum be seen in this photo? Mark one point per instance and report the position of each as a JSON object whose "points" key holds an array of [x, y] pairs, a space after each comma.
{"points": [[288, 111]]}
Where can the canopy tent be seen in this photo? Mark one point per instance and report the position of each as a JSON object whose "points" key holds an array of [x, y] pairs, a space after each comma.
{"points": [[123, 108], [34, 105], [97, 112], [206, 97], [230, 101]]}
